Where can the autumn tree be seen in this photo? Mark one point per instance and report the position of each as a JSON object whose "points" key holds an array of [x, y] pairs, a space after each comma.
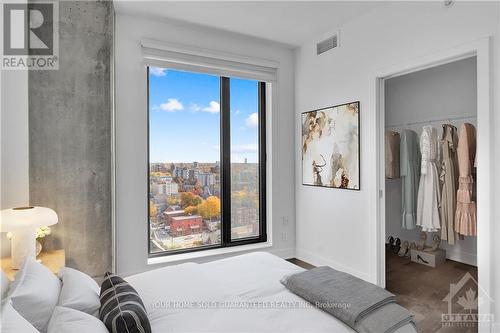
{"points": [[210, 208], [190, 199], [190, 210], [173, 200], [153, 210]]}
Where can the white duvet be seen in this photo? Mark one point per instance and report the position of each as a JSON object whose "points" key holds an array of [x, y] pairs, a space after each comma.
{"points": [[238, 294]]}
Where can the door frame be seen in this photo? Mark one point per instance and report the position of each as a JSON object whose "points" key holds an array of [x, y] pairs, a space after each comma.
{"points": [[481, 49]]}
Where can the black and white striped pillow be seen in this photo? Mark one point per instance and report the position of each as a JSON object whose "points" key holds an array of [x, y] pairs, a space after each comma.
{"points": [[122, 309]]}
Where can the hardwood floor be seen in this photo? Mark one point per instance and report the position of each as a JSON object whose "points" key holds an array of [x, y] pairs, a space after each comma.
{"points": [[300, 263], [421, 290]]}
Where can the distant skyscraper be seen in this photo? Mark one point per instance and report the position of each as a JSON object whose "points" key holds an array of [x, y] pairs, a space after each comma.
{"points": [[178, 172], [193, 174], [206, 179], [246, 160], [165, 188]]}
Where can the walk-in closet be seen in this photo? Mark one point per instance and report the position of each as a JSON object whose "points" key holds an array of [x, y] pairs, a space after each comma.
{"points": [[430, 192]]}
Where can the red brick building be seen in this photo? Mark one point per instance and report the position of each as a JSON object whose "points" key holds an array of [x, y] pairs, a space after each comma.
{"points": [[186, 225], [169, 215]]}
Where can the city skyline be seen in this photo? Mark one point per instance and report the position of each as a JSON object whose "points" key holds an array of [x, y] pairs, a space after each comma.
{"points": [[185, 205]]}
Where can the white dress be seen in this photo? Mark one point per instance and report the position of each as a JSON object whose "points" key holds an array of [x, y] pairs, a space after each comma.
{"points": [[428, 216]]}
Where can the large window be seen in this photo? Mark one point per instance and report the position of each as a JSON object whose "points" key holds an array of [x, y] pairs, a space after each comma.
{"points": [[206, 161]]}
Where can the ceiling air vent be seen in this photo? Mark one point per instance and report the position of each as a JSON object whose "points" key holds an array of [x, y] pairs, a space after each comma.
{"points": [[327, 44]]}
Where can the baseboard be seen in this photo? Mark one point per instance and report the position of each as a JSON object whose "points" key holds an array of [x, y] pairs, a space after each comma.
{"points": [[463, 257], [318, 260], [286, 253]]}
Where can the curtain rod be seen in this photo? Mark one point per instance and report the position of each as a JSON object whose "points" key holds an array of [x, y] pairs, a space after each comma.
{"points": [[449, 119]]}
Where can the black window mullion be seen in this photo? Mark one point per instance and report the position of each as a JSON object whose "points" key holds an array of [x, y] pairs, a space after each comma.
{"points": [[225, 140], [262, 161]]}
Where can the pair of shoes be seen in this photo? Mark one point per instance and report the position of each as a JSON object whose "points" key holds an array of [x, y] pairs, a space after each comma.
{"points": [[394, 244], [405, 249], [436, 241], [390, 245], [397, 246], [421, 242]]}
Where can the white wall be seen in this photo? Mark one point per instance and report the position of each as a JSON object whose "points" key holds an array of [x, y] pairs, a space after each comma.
{"points": [[333, 226], [131, 135], [14, 163], [495, 264], [437, 93]]}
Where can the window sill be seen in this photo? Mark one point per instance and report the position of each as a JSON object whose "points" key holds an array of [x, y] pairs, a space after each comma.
{"points": [[207, 253]]}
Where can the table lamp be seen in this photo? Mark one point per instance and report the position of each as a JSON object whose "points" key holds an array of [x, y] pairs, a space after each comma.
{"points": [[22, 223]]}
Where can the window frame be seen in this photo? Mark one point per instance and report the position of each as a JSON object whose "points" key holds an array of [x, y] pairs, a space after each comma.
{"points": [[225, 171]]}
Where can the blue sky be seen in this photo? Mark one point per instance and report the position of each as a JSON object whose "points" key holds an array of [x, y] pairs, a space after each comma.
{"points": [[184, 117]]}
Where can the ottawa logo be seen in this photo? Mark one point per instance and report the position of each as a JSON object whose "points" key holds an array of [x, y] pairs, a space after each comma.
{"points": [[464, 300]]}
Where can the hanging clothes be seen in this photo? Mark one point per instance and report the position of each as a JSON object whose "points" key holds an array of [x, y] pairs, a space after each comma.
{"points": [[392, 143], [410, 175], [449, 181], [466, 216], [428, 191]]}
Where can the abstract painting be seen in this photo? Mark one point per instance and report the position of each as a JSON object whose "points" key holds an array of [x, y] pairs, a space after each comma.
{"points": [[330, 147]]}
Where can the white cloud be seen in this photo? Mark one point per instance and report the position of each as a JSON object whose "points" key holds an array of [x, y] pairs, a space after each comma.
{"points": [[213, 107], [172, 105], [157, 71], [252, 120]]}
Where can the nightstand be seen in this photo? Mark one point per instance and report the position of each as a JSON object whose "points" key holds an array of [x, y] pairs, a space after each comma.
{"points": [[53, 260]]}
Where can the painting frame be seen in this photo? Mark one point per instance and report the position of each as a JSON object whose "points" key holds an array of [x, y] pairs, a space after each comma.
{"points": [[358, 145]]}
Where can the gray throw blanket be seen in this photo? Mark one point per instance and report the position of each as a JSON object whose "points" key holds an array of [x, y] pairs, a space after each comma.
{"points": [[386, 319], [358, 303]]}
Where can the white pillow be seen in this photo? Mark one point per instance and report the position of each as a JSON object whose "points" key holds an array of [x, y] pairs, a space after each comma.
{"points": [[79, 291], [5, 284], [69, 320], [13, 322], [34, 293]]}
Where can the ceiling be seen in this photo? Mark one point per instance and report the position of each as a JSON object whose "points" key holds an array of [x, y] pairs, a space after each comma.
{"points": [[288, 22]]}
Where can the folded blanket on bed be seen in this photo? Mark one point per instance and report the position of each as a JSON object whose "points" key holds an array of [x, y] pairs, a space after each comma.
{"points": [[386, 319], [347, 298]]}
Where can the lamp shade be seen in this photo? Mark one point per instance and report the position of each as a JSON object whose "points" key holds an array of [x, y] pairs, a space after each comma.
{"points": [[13, 219]]}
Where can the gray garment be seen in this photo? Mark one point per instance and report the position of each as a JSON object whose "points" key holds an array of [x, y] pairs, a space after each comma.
{"points": [[410, 177], [340, 294], [387, 319], [449, 180]]}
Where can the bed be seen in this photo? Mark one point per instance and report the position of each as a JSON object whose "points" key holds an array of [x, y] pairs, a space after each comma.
{"points": [[237, 294]]}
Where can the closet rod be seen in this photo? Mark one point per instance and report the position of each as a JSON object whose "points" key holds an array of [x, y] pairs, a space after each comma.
{"points": [[449, 119]]}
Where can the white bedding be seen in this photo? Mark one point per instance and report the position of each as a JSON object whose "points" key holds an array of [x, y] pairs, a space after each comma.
{"points": [[205, 298]]}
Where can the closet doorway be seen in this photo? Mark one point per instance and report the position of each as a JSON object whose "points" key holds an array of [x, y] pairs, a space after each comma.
{"points": [[425, 117], [426, 98]]}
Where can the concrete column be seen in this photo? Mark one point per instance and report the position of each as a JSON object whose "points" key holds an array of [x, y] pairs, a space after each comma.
{"points": [[70, 136]]}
